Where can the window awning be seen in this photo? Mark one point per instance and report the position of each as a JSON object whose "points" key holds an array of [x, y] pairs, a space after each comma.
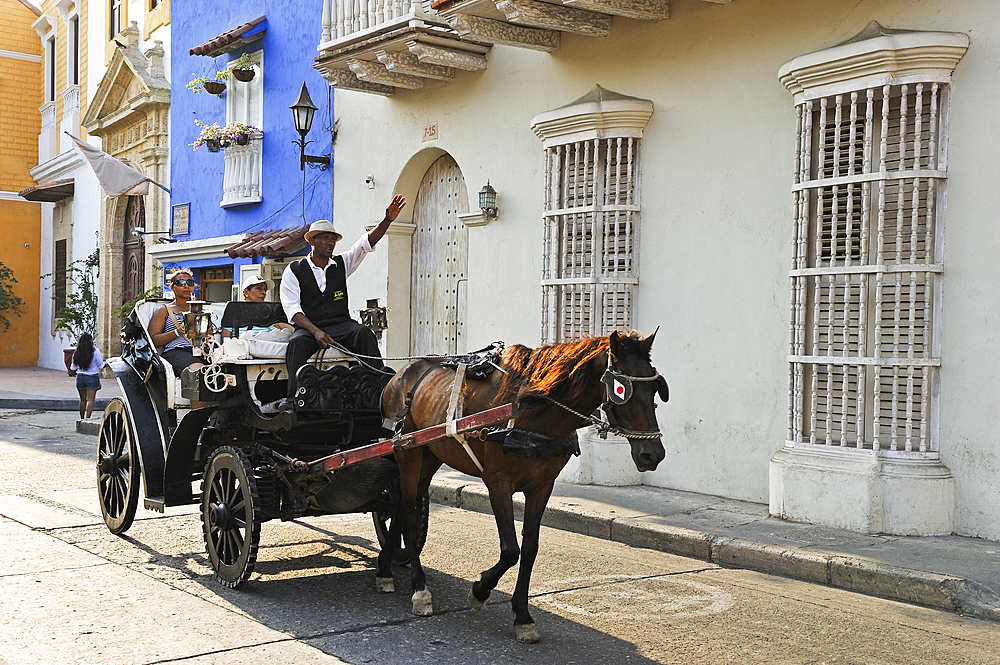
{"points": [[232, 39], [50, 192], [268, 243]]}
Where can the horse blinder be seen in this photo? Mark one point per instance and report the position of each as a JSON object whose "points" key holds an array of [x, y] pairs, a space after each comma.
{"points": [[618, 387]]}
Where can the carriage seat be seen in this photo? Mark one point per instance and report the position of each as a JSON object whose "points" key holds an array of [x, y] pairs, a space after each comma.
{"points": [[248, 323], [144, 312]]}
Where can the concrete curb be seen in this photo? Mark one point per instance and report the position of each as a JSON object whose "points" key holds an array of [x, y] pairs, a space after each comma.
{"points": [[855, 574], [92, 426], [48, 404]]}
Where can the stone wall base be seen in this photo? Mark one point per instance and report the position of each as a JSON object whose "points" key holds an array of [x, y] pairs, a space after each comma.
{"points": [[862, 491]]}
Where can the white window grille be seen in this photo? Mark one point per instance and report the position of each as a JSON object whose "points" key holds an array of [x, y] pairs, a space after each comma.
{"points": [[591, 213], [869, 195], [591, 225], [870, 179]]}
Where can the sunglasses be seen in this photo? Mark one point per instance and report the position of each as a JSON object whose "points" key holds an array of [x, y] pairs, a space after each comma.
{"points": [[183, 282]]}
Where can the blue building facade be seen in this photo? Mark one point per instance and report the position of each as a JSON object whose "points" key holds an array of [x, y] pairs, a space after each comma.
{"points": [[219, 200]]}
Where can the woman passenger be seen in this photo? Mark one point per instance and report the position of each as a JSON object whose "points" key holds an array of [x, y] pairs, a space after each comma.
{"points": [[167, 322]]}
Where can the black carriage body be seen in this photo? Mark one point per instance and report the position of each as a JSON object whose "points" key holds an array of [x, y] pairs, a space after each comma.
{"points": [[338, 410]]}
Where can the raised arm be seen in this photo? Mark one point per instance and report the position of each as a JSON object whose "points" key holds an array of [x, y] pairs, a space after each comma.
{"points": [[397, 204]]}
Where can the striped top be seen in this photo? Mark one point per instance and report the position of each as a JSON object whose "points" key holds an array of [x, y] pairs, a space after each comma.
{"points": [[170, 325]]}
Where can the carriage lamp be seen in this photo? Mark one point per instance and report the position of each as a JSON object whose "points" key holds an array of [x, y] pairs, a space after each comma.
{"points": [[488, 201], [375, 317], [197, 324], [303, 110]]}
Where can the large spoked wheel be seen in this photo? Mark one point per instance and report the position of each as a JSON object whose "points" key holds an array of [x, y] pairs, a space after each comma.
{"points": [[117, 468], [402, 555], [230, 515]]}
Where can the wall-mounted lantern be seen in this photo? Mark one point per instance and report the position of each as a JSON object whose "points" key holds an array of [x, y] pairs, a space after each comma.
{"points": [[488, 201], [303, 110]]}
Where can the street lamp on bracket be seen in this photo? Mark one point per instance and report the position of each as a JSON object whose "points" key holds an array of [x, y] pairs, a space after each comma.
{"points": [[302, 111]]}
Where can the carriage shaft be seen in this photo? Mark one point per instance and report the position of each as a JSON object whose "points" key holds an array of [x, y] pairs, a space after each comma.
{"points": [[413, 439]]}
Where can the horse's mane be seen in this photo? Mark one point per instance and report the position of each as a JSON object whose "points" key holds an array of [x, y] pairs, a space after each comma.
{"points": [[561, 372]]}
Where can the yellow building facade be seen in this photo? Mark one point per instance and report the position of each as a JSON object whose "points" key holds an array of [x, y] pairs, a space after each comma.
{"points": [[21, 77]]}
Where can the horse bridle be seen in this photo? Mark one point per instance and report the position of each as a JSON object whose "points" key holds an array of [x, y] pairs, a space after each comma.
{"points": [[618, 391]]}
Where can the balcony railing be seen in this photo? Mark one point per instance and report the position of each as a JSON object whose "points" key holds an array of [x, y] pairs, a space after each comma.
{"points": [[343, 18], [241, 183]]}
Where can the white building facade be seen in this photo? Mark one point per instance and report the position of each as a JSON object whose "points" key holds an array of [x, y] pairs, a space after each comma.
{"points": [[798, 194], [79, 38]]}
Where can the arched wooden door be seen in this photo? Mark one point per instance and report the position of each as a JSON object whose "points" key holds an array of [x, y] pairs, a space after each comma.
{"points": [[440, 261], [134, 253]]}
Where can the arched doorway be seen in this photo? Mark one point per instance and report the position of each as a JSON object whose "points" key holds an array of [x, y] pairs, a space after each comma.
{"points": [[440, 267], [134, 253]]}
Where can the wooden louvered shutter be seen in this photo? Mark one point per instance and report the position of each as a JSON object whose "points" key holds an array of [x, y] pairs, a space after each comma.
{"points": [[591, 214], [866, 268], [60, 276]]}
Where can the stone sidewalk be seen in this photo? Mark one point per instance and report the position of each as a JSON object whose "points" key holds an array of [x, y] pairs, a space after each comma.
{"points": [[953, 573]]}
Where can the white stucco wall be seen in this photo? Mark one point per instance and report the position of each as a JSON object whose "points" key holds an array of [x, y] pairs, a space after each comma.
{"points": [[84, 211], [716, 223]]}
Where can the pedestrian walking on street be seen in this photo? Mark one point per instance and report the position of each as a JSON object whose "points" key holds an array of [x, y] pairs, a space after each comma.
{"points": [[86, 366]]}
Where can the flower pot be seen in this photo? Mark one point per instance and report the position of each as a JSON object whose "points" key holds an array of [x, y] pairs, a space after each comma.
{"points": [[68, 357], [243, 139], [243, 74], [215, 87], [225, 143], [213, 145]]}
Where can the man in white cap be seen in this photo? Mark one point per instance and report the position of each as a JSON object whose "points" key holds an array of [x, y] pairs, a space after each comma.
{"points": [[314, 296]]}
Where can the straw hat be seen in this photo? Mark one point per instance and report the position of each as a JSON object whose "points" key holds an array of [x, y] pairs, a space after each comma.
{"points": [[321, 226]]}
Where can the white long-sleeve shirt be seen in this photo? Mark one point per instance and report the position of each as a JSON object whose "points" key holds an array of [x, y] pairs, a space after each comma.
{"points": [[291, 292]]}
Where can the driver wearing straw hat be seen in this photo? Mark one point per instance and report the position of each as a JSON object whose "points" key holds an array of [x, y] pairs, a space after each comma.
{"points": [[314, 296]]}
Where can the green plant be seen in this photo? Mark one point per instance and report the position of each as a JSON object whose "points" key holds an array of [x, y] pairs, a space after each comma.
{"points": [[79, 315], [243, 62], [234, 130], [208, 133], [196, 85], [9, 303], [123, 312]]}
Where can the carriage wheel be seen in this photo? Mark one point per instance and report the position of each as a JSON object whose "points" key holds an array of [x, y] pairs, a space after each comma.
{"points": [[230, 515], [402, 555], [117, 468]]}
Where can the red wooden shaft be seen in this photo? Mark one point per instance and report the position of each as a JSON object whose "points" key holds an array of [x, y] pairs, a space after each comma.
{"points": [[419, 438]]}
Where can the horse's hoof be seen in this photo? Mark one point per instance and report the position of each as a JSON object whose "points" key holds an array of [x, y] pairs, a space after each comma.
{"points": [[384, 585], [526, 633], [474, 602], [422, 603]]}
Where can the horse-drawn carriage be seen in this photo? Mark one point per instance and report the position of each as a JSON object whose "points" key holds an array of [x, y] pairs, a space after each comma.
{"points": [[359, 438], [254, 462]]}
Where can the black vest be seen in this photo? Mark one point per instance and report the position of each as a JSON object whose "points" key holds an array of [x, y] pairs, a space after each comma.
{"points": [[327, 308]]}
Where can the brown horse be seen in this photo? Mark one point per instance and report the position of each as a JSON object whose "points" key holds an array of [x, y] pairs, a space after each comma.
{"points": [[556, 388]]}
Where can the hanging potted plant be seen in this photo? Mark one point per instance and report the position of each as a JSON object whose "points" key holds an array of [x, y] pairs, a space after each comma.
{"points": [[243, 68], [241, 133], [215, 85], [210, 136]]}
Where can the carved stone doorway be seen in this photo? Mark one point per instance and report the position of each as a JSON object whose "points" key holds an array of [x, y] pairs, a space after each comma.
{"points": [[134, 253]]}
